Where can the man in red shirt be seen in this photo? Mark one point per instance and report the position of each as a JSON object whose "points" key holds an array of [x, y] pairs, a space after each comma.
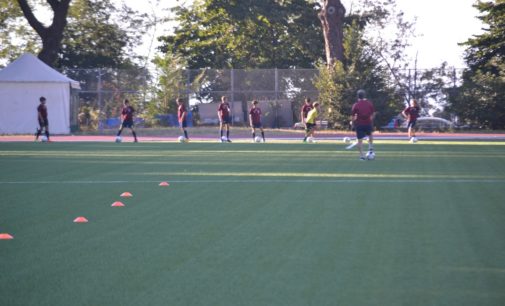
{"points": [[255, 120], [412, 113], [127, 119], [363, 113], [223, 113], [181, 116], [42, 118]]}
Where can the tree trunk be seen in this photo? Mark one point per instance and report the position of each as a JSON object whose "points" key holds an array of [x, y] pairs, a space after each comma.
{"points": [[53, 35], [332, 21]]}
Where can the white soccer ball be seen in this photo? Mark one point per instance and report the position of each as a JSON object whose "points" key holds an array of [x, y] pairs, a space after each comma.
{"points": [[118, 139], [311, 140], [370, 155], [413, 140], [258, 139], [224, 139], [43, 138], [182, 139], [346, 140]]}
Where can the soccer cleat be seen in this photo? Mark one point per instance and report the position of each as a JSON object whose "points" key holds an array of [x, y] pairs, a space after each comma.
{"points": [[362, 158], [228, 140]]}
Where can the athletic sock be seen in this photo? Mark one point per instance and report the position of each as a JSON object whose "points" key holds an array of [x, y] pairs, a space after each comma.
{"points": [[263, 135], [186, 134], [254, 135], [228, 134]]}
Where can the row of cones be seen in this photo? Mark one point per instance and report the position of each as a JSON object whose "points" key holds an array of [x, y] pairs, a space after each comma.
{"points": [[6, 236], [125, 194]]}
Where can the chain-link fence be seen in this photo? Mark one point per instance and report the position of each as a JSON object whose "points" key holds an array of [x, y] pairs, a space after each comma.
{"points": [[97, 105]]}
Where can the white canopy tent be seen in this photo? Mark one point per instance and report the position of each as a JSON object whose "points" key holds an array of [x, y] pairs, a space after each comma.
{"points": [[22, 83]]}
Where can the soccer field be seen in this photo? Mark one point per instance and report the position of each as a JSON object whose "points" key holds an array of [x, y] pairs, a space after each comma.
{"points": [[252, 224]]}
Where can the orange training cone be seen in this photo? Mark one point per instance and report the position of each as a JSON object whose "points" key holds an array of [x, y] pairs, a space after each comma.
{"points": [[80, 220], [126, 194], [117, 204], [6, 236], [164, 184]]}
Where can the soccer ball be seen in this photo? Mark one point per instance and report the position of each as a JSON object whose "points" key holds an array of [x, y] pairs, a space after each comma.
{"points": [[370, 155], [311, 140], [347, 140], [224, 139], [413, 140], [118, 139], [258, 139], [182, 139], [43, 138]]}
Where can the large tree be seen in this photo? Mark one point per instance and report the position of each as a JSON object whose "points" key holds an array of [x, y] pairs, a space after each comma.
{"points": [[480, 101], [247, 34], [51, 35], [332, 15]]}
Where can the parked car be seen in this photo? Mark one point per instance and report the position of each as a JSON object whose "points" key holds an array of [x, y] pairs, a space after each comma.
{"points": [[431, 124]]}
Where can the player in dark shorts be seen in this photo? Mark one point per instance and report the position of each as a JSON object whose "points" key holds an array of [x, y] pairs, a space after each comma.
{"points": [[412, 113], [363, 113], [42, 118], [223, 113], [127, 119], [181, 117], [255, 120]]}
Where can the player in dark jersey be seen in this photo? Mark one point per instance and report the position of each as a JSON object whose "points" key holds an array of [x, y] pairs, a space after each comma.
{"points": [[255, 120], [127, 119], [181, 116], [412, 113], [306, 107], [42, 118], [363, 113], [223, 113]]}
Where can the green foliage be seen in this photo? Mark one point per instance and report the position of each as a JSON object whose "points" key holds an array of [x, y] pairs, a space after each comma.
{"points": [[246, 34], [337, 85], [481, 98], [99, 34]]}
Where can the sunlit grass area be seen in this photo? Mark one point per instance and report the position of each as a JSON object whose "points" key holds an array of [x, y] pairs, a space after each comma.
{"points": [[252, 224]]}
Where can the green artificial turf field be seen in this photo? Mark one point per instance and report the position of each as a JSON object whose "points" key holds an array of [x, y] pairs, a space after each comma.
{"points": [[252, 224]]}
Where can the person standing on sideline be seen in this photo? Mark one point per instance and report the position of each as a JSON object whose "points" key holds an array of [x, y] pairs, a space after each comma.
{"points": [[127, 119], [362, 116], [255, 120], [306, 107], [223, 113], [411, 112], [310, 123], [181, 116], [42, 118]]}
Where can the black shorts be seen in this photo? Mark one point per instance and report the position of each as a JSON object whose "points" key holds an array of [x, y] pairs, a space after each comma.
{"points": [[127, 124], [43, 122], [183, 124], [363, 130], [309, 127], [257, 125], [411, 124], [226, 120]]}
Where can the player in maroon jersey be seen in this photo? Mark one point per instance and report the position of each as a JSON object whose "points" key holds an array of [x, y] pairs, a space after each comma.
{"points": [[42, 118], [223, 113], [127, 119], [411, 112], [306, 107], [363, 113], [255, 120], [181, 116]]}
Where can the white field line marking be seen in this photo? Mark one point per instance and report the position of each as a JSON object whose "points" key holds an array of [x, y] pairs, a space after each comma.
{"points": [[270, 181]]}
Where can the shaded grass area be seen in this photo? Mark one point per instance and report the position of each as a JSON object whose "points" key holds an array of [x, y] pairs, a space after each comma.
{"points": [[252, 224]]}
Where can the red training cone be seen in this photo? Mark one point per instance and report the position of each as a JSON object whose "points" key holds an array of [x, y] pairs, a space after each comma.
{"points": [[126, 194], [80, 220], [117, 204], [5, 236], [164, 184]]}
